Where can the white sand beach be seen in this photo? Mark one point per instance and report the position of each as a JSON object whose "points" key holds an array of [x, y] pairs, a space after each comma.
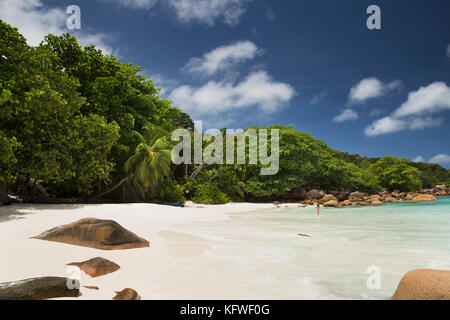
{"points": [[145, 269]]}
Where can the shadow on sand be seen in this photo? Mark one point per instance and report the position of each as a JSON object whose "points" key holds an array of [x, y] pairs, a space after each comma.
{"points": [[19, 211]]}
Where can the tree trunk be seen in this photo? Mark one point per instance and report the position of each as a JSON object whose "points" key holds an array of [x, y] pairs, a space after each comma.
{"points": [[215, 175], [115, 187], [196, 171]]}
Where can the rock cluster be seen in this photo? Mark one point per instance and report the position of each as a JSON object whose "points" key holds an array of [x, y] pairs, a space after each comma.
{"points": [[89, 232], [358, 198]]}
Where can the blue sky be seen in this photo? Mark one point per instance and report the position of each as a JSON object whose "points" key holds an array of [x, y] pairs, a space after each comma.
{"points": [[311, 64]]}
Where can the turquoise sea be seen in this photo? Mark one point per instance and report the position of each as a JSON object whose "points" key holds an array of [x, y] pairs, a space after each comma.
{"points": [[262, 257]]}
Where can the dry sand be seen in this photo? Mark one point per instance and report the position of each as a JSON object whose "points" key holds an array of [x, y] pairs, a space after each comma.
{"points": [[152, 271]]}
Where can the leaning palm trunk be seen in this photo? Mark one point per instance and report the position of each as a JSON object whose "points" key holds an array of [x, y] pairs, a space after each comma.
{"points": [[196, 171], [115, 187]]}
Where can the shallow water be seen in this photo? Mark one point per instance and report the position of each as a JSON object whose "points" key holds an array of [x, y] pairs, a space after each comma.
{"points": [[260, 255]]}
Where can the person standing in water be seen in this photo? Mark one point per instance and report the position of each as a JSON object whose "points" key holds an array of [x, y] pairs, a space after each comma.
{"points": [[318, 208]]}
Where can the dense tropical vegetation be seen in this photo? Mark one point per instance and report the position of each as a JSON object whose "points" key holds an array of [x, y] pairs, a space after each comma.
{"points": [[84, 125]]}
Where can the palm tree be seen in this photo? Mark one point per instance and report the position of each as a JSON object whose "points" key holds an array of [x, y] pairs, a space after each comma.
{"points": [[151, 160]]}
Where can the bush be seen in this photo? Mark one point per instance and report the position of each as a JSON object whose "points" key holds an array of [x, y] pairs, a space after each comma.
{"points": [[170, 192], [209, 193]]}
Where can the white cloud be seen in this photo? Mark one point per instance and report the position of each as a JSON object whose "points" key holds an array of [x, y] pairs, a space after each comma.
{"points": [[35, 21], [370, 88], [418, 159], [385, 125], [318, 97], [137, 4], [32, 19], [376, 112], [390, 124], [257, 89], [346, 115], [427, 100], [166, 84], [416, 113], [441, 159], [202, 11], [448, 50], [208, 11], [222, 58], [100, 40]]}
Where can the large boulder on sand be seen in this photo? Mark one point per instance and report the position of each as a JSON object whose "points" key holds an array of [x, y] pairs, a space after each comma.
{"points": [[96, 267], [127, 294], [346, 203], [315, 194], [374, 197], [439, 189], [424, 284], [328, 197], [396, 194], [95, 233], [376, 203], [390, 199], [424, 197], [340, 195], [375, 200], [357, 196], [297, 193], [331, 203], [39, 289]]}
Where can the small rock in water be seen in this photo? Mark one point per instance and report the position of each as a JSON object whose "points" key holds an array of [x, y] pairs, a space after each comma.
{"points": [[127, 294], [91, 287], [96, 267]]}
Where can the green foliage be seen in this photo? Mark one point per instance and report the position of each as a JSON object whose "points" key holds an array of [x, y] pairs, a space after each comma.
{"points": [[394, 173], [304, 161], [431, 175], [91, 141], [152, 158], [168, 191], [7, 158], [369, 181], [7, 148], [209, 193], [41, 114], [116, 91]]}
